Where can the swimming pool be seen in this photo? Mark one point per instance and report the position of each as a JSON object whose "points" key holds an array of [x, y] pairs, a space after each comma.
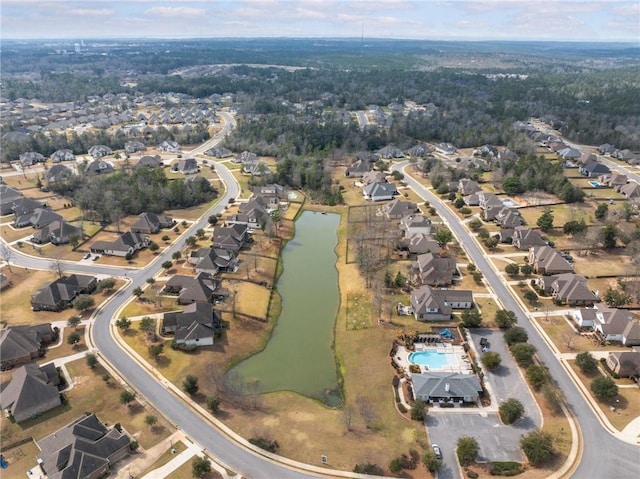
{"points": [[595, 184], [433, 359]]}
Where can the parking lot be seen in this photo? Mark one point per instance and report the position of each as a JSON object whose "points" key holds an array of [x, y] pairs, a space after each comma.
{"points": [[496, 441]]}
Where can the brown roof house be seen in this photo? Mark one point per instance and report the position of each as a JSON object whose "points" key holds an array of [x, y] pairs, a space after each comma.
{"points": [[546, 260], [23, 344], [83, 449], [431, 304], [59, 294], [414, 224], [619, 327], [127, 244], [201, 289], [196, 325], [572, 289], [214, 260], [397, 209], [434, 270], [253, 213], [524, 238], [57, 232], [232, 238], [32, 391], [150, 223], [186, 166], [357, 169]]}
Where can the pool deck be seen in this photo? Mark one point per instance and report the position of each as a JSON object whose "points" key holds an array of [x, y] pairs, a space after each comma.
{"points": [[463, 364]]}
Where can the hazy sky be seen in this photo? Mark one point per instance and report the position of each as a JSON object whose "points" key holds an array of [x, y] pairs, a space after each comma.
{"points": [[598, 20]]}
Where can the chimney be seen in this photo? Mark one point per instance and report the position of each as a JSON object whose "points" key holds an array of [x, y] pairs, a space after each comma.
{"points": [[446, 387]]}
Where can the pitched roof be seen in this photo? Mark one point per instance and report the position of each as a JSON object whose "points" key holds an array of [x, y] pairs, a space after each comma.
{"points": [[380, 189], [443, 385], [398, 208], [434, 269], [16, 343], [31, 386]]}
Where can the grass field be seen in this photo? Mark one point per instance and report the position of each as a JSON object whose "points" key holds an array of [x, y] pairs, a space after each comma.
{"points": [[178, 447], [561, 213]]}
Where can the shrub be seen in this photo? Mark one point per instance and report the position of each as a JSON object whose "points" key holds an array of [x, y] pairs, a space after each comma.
{"points": [[511, 410], [506, 468], [516, 335], [419, 410], [471, 318], [430, 461], [491, 360], [200, 467], [213, 403], [467, 450], [264, 443], [190, 385], [537, 376], [523, 354], [604, 388], [505, 319], [134, 445], [537, 446], [368, 468], [586, 362]]}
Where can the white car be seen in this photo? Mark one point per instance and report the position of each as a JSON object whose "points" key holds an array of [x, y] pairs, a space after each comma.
{"points": [[86, 256], [437, 451]]}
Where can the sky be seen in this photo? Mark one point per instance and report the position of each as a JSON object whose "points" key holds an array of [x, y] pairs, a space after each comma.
{"points": [[562, 20]]}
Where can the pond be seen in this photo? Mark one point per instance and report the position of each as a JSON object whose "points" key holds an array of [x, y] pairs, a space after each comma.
{"points": [[299, 355]]}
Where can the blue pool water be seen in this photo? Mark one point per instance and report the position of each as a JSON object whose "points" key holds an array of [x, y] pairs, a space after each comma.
{"points": [[433, 359], [595, 184]]}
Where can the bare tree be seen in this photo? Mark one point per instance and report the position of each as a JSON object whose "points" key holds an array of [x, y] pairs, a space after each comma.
{"points": [[367, 413], [347, 417], [5, 254], [568, 337], [57, 267]]}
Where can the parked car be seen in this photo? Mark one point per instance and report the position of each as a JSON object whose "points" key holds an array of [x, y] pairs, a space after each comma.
{"points": [[484, 342], [86, 256], [437, 451], [96, 258]]}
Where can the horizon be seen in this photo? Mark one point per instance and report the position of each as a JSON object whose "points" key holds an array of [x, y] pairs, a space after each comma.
{"points": [[575, 21]]}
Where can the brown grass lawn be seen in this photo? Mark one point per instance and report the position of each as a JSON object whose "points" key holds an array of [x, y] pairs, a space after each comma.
{"points": [[627, 403], [543, 303], [89, 394], [193, 213], [26, 185], [19, 459], [184, 472], [467, 282], [564, 337], [603, 263], [488, 308], [243, 181], [141, 308], [11, 234], [561, 213], [251, 299]]}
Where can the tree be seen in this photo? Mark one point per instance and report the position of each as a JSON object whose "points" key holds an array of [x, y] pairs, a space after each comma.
{"points": [[467, 450], [137, 292], [213, 404], [504, 318], [150, 420], [5, 254], [537, 375], [153, 247], [167, 264], [190, 385], [92, 360], [73, 339], [471, 318], [491, 242], [400, 280], [148, 325], [200, 467], [512, 186], [83, 302], [200, 233], [74, 321], [526, 269], [212, 220], [475, 224], [510, 410], [126, 397], [516, 335], [155, 350], [602, 211], [537, 446], [166, 238], [491, 360], [176, 256], [430, 461], [530, 296], [608, 235], [523, 353], [545, 222], [419, 410], [123, 324], [58, 267], [586, 362], [574, 228], [604, 388], [443, 236], [191, 241], [512, 269], [616, 298], [459, 203], [106, 284]]}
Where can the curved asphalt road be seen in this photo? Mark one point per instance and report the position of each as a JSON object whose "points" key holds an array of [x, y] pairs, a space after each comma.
{"points": [[604, 456]]}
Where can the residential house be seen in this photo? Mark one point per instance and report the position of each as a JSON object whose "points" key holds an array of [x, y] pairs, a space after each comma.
{"points": [[134, 146], [630, 190], [218, 152], [204, 288], [357, 169], [255, 168], [397, 209], [232, 238], [374, 176], [467, 187], [390, 152], [594, 169], [418, 151], [444, 387], [150, 161], [367, 156], [32, 391], [31, 158], [446, 149], [625, 155], [186, 166], [83, 449], [98, 167], [472, 199], [486, 151], [253, 213], [585, 158], [625, 364], [614, 180], [151, 223], [273, 195], [489, 202], [62, 155], [572, 289], [606, 149], [420, 243], [214, 260], [415, 224], [39, 218], [380, 191], [245, 157], [57, 232], [58, 173], [524, 238], [169, 147], [25, 206], [196, 325], [8, 197], [23, 344], [509, 217], [569, 154], [127, 244], [619, 327], [507, 156], [430, 304], [434, 270], [99, 151], [59, 294], [546, 260]]}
